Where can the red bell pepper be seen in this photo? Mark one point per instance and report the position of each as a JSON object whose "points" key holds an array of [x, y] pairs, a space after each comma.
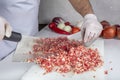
{"points": [[54, 28]]}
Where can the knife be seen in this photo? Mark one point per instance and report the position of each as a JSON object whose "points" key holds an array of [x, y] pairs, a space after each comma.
{"points": [[24, 46]]}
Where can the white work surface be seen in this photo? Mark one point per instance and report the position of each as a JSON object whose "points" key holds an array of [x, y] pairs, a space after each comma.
{"points": [[14, 70]]}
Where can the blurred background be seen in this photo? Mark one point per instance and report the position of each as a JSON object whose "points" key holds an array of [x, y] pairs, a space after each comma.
{"points": [[104, 9]]}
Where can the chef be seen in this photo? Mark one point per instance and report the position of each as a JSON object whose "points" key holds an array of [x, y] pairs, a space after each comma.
{"points": [[22, 16]]}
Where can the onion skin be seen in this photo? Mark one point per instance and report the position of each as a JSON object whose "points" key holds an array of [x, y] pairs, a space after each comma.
{"points": [[109, 32]]}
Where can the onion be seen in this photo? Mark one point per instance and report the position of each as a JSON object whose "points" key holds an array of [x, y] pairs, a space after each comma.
{"points": [[61, 26], [109, 32], [105, 23], [63, 55], [118, 30], [58, 20], [67, 28]]}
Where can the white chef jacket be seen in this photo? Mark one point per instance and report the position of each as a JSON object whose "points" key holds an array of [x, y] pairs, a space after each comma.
{"points": [[22, 16]]}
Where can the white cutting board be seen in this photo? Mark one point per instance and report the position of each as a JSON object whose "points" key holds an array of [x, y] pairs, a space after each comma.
{"points": [[36, 73]]}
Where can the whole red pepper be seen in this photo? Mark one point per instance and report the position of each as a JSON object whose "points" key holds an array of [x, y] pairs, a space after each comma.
{"points": [[53, 27]]}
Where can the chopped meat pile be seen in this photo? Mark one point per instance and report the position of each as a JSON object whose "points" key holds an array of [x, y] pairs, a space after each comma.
{"points": [[64, 55]]}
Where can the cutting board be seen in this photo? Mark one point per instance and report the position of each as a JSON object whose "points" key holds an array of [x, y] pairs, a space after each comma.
{"points": [[36, 73]]}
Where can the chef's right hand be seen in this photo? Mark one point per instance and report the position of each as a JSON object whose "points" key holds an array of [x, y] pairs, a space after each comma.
{"points": [[5, 28]]}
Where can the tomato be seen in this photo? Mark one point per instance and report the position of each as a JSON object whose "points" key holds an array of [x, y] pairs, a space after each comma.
{"points": [[75, 30]]}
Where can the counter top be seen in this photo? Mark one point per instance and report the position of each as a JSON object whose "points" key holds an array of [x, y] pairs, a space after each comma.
{"points": [[14, 70]]}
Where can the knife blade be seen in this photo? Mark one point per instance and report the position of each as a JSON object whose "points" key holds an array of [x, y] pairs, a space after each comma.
{"points": [[24, 46]]}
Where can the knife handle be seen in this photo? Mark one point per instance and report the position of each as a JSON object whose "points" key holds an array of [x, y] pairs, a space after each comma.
{"points": [[16, 37]]}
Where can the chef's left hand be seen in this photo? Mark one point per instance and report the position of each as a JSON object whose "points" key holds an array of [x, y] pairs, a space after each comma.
{"points": [[90, 28], [5, 28]]}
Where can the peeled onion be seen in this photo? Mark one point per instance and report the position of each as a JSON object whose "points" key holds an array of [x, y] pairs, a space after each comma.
{"points": [[67, 28], [61, 26], [109, 32]]}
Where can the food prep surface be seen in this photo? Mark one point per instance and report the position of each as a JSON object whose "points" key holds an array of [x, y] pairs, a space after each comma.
{"points": [[14, 70]]}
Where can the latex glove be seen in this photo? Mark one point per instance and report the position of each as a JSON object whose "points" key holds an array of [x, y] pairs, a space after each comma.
{"points": [[5, 28], [90, 28]]}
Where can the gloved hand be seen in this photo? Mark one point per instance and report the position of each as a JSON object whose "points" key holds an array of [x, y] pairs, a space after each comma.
{"points": [[5, 28], [90, 28]]}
